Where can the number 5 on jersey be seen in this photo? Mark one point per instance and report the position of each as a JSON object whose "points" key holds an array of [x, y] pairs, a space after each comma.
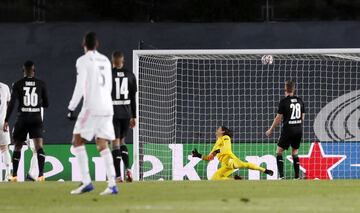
{"points": [[122, 88]]}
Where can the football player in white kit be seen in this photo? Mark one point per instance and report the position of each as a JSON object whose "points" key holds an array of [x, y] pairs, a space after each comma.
{"points": [[4, 135], [94, 85]]}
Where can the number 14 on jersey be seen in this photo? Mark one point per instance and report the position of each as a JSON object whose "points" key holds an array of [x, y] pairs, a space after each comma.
{"points": [[122, 88]]}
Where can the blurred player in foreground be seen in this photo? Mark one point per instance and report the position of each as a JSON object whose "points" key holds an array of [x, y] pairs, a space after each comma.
{"points": [[32, 95], [229, 162], [124, 102], [291, 111], [4, 135], [94, 84]]}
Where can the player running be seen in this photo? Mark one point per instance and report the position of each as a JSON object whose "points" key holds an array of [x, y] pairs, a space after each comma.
{"points": [[31, 93], [4, 135], [229, 162], [94, 84], [291, 111], [124, 102]]}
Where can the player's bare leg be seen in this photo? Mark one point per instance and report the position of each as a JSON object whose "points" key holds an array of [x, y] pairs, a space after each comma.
{"points": [[15, 160], [6, 158], [38, 143], [280, 161], [82, 159], [103, 148], [296, 162]]}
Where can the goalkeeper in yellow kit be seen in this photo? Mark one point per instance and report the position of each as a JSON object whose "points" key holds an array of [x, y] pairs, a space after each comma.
{"points": [[229, 162]]}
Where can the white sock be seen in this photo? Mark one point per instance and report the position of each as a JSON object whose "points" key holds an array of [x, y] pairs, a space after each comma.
{"points": [[83, 161], [7, 161], [109, 166], [34, 171]]}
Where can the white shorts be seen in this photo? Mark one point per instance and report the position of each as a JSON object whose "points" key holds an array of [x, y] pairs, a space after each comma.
{"points": [[89, 126], [4, 136]]}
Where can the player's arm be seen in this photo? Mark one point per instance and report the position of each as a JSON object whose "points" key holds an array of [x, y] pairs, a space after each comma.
{"points": [[45, 96], [275, 123], [133, 91], [10, 108], [208, 157], [78, 91], [303, 111], [278, 118], [214, 151], [8, 98]]}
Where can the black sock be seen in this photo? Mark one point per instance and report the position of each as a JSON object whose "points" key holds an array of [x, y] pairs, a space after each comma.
{"points": [[41, 161], [280, 165], [116, 153], [125, 156], [15, 161], [296, 165]]}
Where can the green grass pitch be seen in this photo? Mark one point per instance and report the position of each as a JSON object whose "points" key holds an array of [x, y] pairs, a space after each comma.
{"points": [[186, 196]]}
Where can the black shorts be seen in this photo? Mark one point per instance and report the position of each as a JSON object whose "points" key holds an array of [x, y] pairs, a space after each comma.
{"points": [[290, 137], [121, 127], [33, 127]]}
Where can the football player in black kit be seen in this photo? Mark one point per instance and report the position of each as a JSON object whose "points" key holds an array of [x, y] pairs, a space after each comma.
{"points": [[31, 93], [124, 102], [291, 111]]}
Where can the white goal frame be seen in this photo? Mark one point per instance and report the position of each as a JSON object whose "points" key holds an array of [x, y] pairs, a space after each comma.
{"points": [[138, 53]]}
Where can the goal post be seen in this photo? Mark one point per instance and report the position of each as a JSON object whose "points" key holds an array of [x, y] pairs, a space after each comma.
{"points": [[184, 95]]}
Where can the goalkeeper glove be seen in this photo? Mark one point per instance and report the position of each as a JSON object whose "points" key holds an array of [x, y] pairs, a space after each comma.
{"points": [[71, 115], [196, 154], [216, 152]]}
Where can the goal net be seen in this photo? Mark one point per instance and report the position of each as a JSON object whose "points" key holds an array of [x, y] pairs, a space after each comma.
{"points": [[184, 95]]}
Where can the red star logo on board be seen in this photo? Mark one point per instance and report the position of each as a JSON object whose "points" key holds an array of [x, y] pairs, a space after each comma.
{"points": [[318, 165]]}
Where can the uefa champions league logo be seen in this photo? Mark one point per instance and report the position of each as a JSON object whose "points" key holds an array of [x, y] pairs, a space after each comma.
{"points": [[339, 119]]}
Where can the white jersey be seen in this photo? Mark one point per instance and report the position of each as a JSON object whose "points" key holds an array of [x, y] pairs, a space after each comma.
{"points": [[94, 84], [4, 99]]}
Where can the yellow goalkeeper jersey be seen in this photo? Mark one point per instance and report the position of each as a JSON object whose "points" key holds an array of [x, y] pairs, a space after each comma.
{"points": [[224, 144]]}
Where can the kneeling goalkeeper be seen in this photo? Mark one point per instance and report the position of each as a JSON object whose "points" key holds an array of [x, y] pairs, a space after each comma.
{"points": [[229, 162]]}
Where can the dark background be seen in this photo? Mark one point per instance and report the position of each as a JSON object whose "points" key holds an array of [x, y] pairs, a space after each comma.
{"points": [[178, 10], [50, 34]]}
